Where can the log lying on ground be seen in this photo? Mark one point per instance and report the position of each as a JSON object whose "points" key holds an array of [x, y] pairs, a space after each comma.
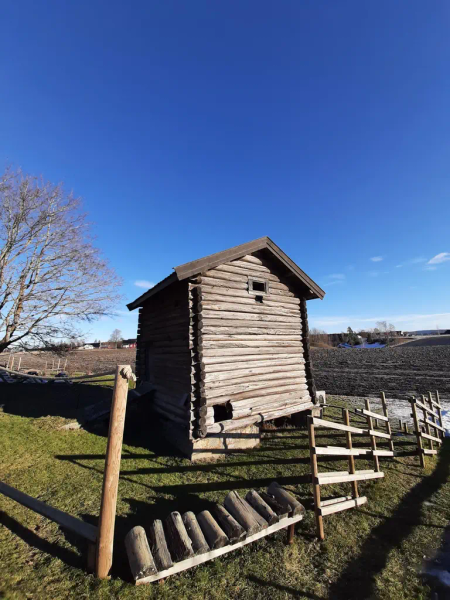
{"points": [[285, 499], [159, 547], [214, 534], [261, 507], [139, 554], [179, 542], [241, 511], [282, 510], [230, 526], [199, 543]]}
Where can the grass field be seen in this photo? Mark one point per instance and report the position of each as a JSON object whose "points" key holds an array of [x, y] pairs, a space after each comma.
{"points": [[375, 551]]}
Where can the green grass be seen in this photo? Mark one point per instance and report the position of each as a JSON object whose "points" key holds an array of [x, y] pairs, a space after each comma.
{"points": [[375, 551]]}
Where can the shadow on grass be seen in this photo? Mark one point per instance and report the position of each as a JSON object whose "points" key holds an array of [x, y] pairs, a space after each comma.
{"points": [[53, 549], [282, 588], [357, 581]]}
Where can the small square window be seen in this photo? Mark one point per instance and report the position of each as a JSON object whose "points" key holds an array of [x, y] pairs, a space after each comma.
{"points": [[258, 287]]}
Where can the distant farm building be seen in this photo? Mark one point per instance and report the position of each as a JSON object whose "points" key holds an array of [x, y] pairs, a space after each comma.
{"points": [[223, 345]]}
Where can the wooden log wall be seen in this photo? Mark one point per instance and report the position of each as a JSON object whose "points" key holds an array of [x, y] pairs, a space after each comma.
{"points": [[163, 356], [248, 355]]}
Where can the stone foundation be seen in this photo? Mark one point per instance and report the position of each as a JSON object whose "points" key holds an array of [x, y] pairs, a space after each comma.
{"points": [[216, 446]]}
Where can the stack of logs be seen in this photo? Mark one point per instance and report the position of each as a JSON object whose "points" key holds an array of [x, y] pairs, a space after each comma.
{"points": [[248, 355], [183, 542]]}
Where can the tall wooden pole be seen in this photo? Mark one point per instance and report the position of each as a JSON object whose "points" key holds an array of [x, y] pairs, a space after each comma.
{"points": [[111, 477]]}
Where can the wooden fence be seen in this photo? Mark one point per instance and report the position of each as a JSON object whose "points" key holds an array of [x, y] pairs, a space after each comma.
{"points": [[323, 508], [100, 539], [431, 410]]}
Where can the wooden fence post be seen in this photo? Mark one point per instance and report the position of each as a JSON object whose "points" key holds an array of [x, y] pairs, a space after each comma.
{"points": [[315, 475], [351, 459], [373, 441], [417, 432], [111, 476], [388, 425]]}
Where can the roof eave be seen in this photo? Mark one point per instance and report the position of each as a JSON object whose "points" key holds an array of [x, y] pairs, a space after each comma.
{"points": [[151, 292]]}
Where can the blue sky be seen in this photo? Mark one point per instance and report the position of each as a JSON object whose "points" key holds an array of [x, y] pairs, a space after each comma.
{"points": [[190, 127]]}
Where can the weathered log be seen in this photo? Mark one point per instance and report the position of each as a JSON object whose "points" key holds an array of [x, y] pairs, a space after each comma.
{"points": [[237, 387], [261, 507], [240, 278], [285, 498], [214, 534], [246, 399], [250, 258], [233, 370], [293, 320], [199, 544], [159, 547], [255, 308], [255, 389], [281, 510], [228, 523], [290, 396], [247, 271], [240, 510], [221, 293], [228, 382], [258, 353], [139, 554], [221, 363], [179, 543], [213, 378], [259, 344], [261, 416], [287, 407], [226, 332], [243, 324]]}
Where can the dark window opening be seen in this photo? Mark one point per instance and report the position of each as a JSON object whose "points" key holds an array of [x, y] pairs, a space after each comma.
{"points": [[258, 286], [259, 299], [223, 412]]}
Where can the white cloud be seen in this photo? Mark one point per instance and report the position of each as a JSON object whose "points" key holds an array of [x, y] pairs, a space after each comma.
{"points": [[412, 261], [337, 276], [334, 282], [439, 258], [377, 258], [143, 283], [429, 268]]}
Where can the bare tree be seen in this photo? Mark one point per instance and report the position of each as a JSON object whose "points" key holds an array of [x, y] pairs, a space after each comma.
{"points": [[386, 330], [116, 336], [51, 276], [319, 337]]}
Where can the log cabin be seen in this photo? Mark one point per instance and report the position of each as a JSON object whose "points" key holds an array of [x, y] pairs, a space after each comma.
{"points": [[222, 346]]}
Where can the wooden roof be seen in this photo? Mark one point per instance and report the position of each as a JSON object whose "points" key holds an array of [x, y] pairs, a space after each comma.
{"points": [[206, 263]]}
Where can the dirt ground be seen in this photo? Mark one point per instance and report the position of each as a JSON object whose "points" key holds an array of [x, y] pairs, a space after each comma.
{"points": [[435, 340], [79, 361], [400, 372]]}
